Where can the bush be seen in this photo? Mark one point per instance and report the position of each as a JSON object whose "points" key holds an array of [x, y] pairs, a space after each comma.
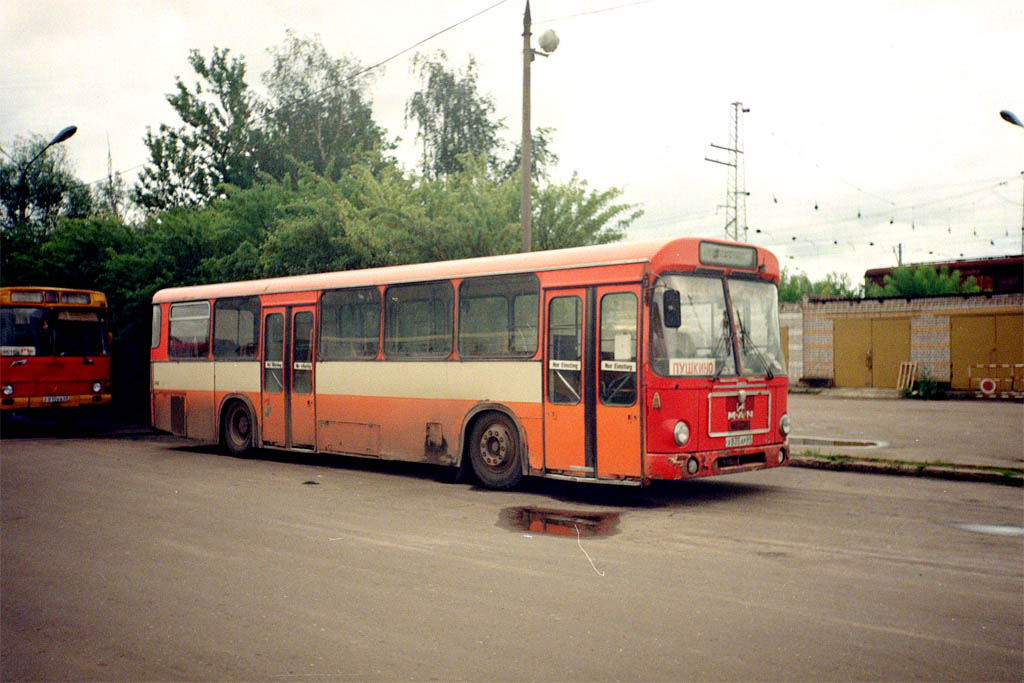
{"points": [[926, 388]]}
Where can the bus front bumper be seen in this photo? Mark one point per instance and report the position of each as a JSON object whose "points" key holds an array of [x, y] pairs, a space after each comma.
{"points": [[39, 402], [711, 463]]}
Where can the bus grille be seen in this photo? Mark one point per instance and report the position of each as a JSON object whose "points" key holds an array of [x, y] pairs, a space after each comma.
{"points": [[741, 460]]}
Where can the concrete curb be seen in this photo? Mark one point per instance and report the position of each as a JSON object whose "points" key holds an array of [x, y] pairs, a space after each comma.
{"points": [[841, 463]]}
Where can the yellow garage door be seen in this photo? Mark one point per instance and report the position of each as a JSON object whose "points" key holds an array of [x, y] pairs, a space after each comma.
{"points": [[851, 352], [972, 341], [890, 346]]}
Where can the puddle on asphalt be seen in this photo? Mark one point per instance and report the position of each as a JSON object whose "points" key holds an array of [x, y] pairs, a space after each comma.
{"points": [[559, 522], [994, 529], [830, 442]]}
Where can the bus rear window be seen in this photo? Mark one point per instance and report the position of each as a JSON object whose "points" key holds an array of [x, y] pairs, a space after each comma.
{"points": [[190, 330]]}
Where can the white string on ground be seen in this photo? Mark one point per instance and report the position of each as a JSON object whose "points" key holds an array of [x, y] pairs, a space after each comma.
{"points": [[580, 544]]}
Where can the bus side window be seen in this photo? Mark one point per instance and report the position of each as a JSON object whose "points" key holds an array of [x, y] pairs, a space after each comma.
{"points": [[498, 316], [236, 328], [350, 324], [190, 330], [418, 320]]}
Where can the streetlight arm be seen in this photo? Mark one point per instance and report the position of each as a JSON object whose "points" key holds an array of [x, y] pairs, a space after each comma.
{"points": [[60, 137]]}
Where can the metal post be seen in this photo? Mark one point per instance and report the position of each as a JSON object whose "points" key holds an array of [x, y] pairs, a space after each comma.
{"points": [[525, 201]]}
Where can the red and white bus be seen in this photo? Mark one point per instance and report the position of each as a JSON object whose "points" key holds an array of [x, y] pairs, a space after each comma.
{"points": [[53, 349], [621, 363]]}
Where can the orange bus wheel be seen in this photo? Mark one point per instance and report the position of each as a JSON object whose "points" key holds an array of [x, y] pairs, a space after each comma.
{"points": [[494, 451], [237, 429]]}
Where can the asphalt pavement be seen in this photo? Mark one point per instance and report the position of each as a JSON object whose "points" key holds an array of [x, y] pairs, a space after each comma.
{"points": [[962, 439]]}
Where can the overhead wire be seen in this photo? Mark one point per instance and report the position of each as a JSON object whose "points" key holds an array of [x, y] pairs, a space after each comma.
{"points": [[351, 77]]}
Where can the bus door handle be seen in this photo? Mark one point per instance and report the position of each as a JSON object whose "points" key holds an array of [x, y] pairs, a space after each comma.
{"points": [[19, 362], [88, 361]]}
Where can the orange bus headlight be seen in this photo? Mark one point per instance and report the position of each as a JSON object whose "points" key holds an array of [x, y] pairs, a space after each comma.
{"points": [[681, 433], [97, 387], [8, 389]]}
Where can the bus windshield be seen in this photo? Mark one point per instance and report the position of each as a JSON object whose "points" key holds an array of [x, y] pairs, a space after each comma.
{"points": [[702, 343], [31, 331]]}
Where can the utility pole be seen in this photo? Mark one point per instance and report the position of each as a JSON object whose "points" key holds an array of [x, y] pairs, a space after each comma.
{"points": [[736, 182]]}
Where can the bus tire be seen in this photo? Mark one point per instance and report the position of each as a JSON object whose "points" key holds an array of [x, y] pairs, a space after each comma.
{"points": [[494, 451], [237, 427]]}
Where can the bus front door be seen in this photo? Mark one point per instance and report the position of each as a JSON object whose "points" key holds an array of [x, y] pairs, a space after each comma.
{"points": [[288, 406], [591, 412]]}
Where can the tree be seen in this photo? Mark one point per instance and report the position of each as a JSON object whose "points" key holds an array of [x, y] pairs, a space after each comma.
{"points": [[48, 189], [923, 280], [793, 287], [216, 144], [571, 215], [452, 116], [318, 113], [541, 156]]}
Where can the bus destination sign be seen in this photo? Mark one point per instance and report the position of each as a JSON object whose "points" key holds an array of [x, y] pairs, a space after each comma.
{"points": [[728, 255]]}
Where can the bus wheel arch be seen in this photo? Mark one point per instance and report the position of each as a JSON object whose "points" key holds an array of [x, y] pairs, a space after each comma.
{"points": [[237, 426], [494, 446]]}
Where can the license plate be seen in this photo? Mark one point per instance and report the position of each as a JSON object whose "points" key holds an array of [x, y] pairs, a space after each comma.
{"points": [[733, 441], [56, 399]]}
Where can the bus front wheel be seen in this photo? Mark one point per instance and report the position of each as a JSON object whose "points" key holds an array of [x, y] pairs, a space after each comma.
{"points": [[237, 429], [494, 451]]}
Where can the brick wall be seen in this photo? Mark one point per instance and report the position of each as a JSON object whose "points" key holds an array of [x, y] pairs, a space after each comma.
{"points": [[929, 328]]}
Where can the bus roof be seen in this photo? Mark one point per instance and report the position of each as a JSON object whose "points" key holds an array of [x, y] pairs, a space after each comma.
{"points": [[663, 255], [50, 296]]}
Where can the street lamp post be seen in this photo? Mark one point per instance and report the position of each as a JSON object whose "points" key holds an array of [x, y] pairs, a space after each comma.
{"points": [[22, 193], [548, 44]]}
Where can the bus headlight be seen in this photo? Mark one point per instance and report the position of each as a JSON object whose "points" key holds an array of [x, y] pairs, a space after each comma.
{"points": [[784, 425], [8, 389], [97, 387], [681, 432]]}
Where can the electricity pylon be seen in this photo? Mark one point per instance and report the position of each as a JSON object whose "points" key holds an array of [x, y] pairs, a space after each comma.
{"points": [[736, 182]]}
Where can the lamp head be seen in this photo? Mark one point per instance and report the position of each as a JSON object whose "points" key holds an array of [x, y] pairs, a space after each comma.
{"points": [[548, 41], [1011, 117]]}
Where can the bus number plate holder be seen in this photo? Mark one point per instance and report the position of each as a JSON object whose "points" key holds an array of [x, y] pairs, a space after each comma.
{"points": [[734, 441]]}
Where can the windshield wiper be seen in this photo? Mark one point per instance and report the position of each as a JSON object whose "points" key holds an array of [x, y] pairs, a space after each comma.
{"points": [[746, 340]]}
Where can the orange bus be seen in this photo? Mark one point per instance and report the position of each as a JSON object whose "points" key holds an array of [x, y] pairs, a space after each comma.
{"points": [[54, 351], [621, 363]]}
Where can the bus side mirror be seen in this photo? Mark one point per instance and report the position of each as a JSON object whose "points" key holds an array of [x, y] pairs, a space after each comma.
{"points": [[670, 305]]}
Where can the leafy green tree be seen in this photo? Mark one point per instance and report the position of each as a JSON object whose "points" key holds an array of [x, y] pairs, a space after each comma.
{"points": [[923, 280], [793, 287], [452, 117], [542, 156], [215, 145], [48, 189], [311, 236], [572, 215], [318, 112], [468, 213]]}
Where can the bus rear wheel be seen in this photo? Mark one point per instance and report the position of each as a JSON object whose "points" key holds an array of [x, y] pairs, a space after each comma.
{"points": [[237, 429], [494, 451]]}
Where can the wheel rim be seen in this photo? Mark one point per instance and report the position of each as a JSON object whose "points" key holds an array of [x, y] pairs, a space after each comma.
{"points": [[496, 447], [240, 426]]}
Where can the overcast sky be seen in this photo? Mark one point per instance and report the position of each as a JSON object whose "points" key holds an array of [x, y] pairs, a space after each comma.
{"points": [[872, 124]]}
